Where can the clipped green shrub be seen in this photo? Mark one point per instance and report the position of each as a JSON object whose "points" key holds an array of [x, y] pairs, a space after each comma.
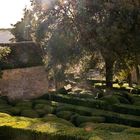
{"points": [[24, 104], [65, 114], [2, 115], [15, 110], [122, 100], [49, 115], [83, 119], [55, 119], [5, 108], [104, 126], [29, 113], [40, 101], [22, 128], [126, 109], [128, 96], [110, 99], [137, 103], [40, 112], [133, 131], [136, 100], [47, 109], [2, 101], [76, 109], [125, 119], [75, 100]]}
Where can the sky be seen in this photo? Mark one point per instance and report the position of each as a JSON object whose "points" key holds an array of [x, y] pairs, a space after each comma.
{"points": [[11, 11]]}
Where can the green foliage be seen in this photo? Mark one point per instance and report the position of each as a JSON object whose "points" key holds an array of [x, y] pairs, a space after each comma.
{"points": [[22, 29], [105, 126], [92, 103], [4, 51], [41, 101], [65, 114], [30, 129], [15, 111], [29, 113], [2, 101], [110, 99], [24, 104], [83, 119]]}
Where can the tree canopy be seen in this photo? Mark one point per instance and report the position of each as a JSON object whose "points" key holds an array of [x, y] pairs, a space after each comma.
{"points": [[74, 31]]}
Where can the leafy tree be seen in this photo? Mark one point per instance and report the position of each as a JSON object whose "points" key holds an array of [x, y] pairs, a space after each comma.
{"points": [[22, 29], [110, 27]]}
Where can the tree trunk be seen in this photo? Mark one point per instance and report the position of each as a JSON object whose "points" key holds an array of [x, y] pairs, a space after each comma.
{"points": [[109, 72], [130, 79], [137, 68], [138, 74]]}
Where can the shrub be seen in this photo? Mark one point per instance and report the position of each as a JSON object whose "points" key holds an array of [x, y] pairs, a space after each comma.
{"points": [[105, 126], [15, 128], [130, 120], [29, 113], [77, 109], [2, 115], [122, 99], [126, 109], [40, 101], [83, 119], [110, 99], [133, 131], [49, 115], [5, 108], [40, 112], [99, 104], [24, 104], [55, 119], [65, 114], [47, 109], [2, 101], [15, 110], [128, 96]]}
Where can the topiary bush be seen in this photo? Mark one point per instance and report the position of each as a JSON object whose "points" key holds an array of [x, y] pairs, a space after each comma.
{"points": [[83, 119], [15, 110], [110, 99], [122, 99], [24, 105], [47, 109], [104, 126], [128, 96], [29, 113], [65, 114], [5, 108], [40, 101], [2, 101]]}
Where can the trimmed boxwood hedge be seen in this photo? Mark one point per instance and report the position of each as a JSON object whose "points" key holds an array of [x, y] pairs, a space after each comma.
{"points": [[29, 113], [15, 128], [111, 117], [95, 119], [92, 103], [65, 114]]}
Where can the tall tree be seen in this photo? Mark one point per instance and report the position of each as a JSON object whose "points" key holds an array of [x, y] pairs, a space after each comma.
{"points": [[22, 29]]}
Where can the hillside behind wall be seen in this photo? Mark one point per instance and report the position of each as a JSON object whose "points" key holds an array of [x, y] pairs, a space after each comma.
{"points": [[24, 83]]}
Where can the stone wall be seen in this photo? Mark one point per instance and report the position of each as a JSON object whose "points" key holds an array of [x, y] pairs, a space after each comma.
{"points": [[24, 83]]}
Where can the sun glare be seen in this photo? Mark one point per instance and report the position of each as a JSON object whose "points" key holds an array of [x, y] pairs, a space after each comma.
{"points": [[11, 11]]}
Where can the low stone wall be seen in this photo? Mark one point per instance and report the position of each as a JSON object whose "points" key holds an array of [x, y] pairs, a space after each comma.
{"points": [[24, 83]]}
